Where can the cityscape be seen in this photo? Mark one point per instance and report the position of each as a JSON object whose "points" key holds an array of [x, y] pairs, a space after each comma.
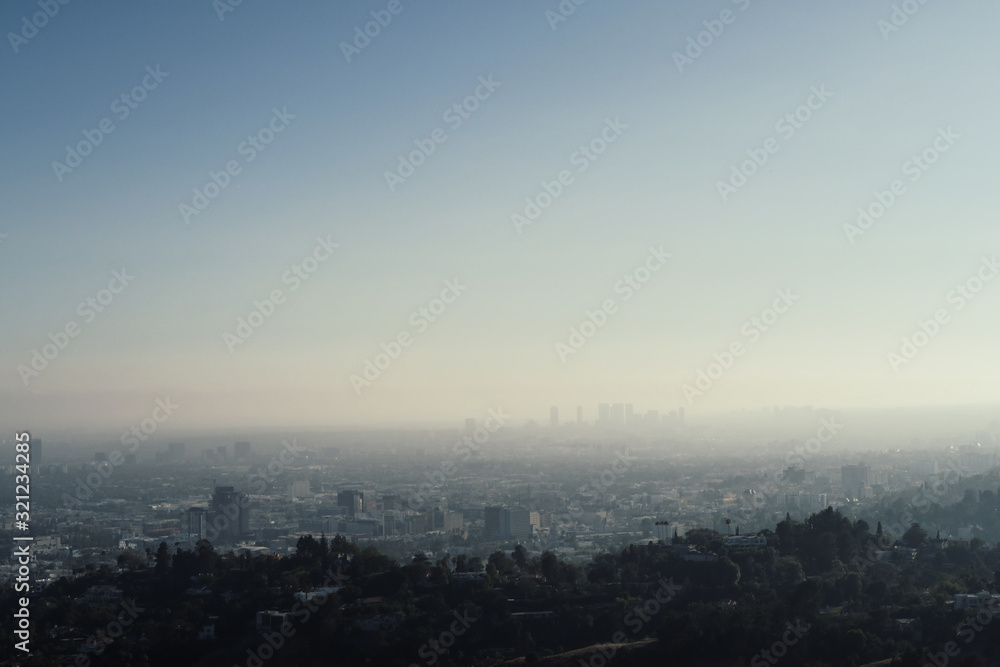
{"points": [[570, 333]]}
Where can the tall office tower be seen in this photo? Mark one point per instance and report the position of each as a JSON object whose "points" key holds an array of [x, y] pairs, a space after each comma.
{"points": [[618, 416], [603, 415], [390, 523], [470, 425], [553, 416], [353, 500], [222, 452], [629, 416], [417, 524], [579, 415], [518, 522], [230, 512], [497, 523], [175, 452], [241, 450], [854, 479], [680, 416], [299, 489], [453, 521], [197, 524]]}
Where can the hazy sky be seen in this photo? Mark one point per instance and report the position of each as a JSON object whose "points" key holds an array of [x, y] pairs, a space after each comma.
{"points": [[608, 72]]}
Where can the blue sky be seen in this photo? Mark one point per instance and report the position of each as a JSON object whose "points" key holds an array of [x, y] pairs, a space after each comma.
{"points": [[656, 185]]}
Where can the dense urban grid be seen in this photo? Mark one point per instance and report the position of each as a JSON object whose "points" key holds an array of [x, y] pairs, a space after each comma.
{"points": [[606, 542]]}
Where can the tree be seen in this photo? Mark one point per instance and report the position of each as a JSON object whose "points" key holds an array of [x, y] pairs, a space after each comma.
{"points": [[915, 536], [550, 567], [131, 560], [162, 558], [520, 556]]}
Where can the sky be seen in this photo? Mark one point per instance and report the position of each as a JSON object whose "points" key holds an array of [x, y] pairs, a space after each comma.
{"points": [[627, 125]]}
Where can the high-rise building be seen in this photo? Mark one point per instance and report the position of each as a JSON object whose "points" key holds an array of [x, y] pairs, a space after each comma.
{"points": [[453, 521], [579, 415], [519, 522], [353, 500], [553, 416], [504, 523], [390, 523], [230, 514], [36, 450], [603, 415], [299, 489], [618, 416], [854, 479], [629, 417], [495, 525], [661, 530], [417, 524], [197, 524]]}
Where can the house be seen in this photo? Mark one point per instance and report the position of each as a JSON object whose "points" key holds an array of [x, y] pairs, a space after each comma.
{"points": [[272, 620], [976, 600], [745, 542], [690, 554]]}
